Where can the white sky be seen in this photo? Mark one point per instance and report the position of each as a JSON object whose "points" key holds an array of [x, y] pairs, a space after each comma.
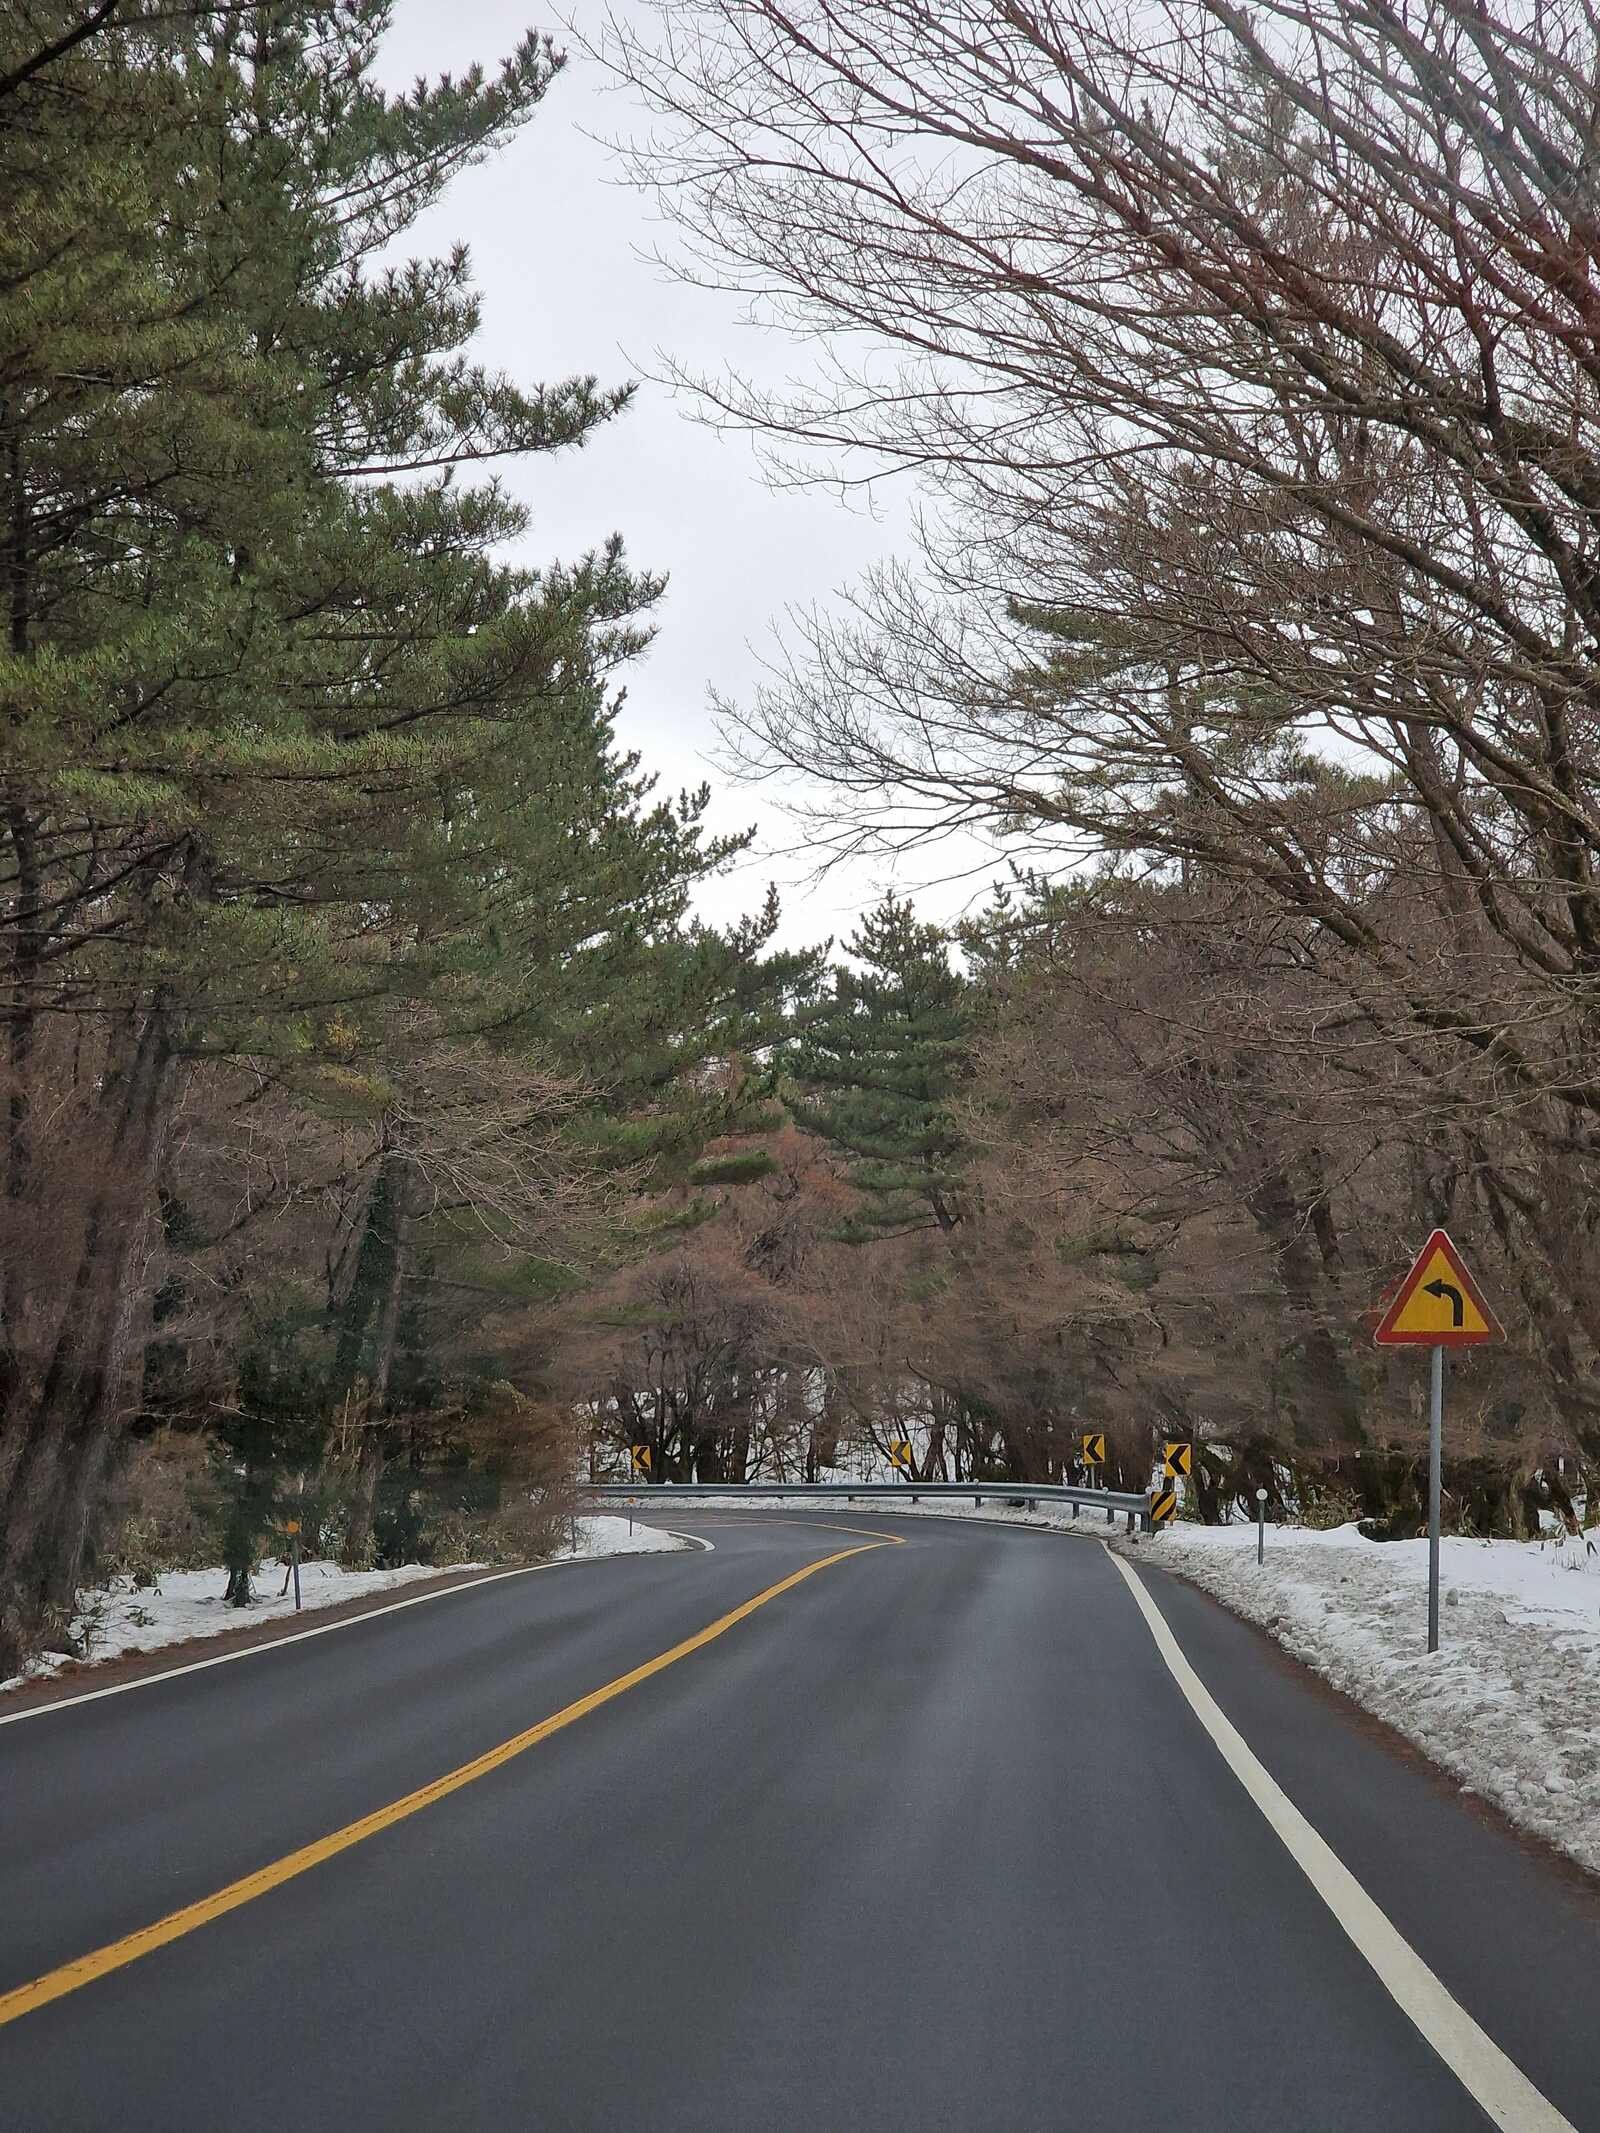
{"points": [[556, 238]]}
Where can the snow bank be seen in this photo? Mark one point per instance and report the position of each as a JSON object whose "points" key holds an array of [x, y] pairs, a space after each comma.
{"points": [[1510, 1704], [188, 1603], [606, 1535]]}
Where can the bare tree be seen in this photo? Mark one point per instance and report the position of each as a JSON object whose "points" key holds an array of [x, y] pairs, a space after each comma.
{"points": [[1252, 361]]}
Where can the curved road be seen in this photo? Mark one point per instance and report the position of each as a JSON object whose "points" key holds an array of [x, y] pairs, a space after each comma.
{"points": [[928, 1839]]}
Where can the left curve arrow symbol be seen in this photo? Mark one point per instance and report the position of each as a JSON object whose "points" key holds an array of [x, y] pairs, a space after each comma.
{"points": [[1442, 1289]]}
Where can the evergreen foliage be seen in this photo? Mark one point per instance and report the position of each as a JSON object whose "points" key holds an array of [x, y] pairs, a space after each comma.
{"points": [[300, 774], [876, 1066]]}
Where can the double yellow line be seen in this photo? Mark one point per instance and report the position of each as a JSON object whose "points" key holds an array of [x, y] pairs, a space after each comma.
{"points": [[56, 1984]]}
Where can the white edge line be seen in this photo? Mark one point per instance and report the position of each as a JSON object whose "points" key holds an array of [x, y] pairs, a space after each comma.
{"points": [[323, 1629], [693, 1539], [1492, 2080]]}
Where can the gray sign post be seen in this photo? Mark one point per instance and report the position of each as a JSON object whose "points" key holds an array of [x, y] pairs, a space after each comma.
{"points": [[1437, 1306], [1435, 1459]]}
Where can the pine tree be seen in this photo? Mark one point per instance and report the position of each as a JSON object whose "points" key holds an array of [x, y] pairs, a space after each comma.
{"points": [[294, 762], [876, 1066]]}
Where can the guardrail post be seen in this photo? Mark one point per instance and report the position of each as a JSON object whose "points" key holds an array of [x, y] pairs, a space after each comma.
{"points": [[1130, 1521]]}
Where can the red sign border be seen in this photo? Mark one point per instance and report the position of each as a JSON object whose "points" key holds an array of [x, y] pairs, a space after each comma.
{"points": [[1385, 1336]]}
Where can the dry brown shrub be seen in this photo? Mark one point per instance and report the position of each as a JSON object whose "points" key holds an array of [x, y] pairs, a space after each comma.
{"points": [[162, 1511]]}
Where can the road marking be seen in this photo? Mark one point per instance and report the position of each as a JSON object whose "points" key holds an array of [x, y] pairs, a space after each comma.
{"points": [[56, 1984], [323, 1629], [1478, 2063], [1026, 1524], [817, 1525]]}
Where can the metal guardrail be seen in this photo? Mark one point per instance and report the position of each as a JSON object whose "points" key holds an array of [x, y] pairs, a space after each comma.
{"points": [[1032, 1493]]}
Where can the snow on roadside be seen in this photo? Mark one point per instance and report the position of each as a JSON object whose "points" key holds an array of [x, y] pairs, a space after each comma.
{"points": [[188, 1603], [1509, 1704], [117, 1619], [602, 1534]]}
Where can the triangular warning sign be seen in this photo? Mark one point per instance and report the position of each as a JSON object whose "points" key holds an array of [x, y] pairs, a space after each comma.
{"points": [[1438, 1305]]}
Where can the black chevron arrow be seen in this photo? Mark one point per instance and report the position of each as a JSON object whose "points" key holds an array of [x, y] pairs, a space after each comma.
{"points": [[1442, 1289]]}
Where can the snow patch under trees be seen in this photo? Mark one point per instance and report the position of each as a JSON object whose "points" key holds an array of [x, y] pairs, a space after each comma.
{"points": [[120, 1618]]}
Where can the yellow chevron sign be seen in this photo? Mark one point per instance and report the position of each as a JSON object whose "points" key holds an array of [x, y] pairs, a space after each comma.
{"points": [[1093, 1447], [900, 1454], [640, 1455], [1177, 1460], [1163, 1506]]}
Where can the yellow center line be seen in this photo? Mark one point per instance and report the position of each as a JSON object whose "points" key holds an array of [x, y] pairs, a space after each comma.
{"points": [[55, 1984]]}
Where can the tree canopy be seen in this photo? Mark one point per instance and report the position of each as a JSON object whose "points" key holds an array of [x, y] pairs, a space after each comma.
{"points": [[309, 797]]}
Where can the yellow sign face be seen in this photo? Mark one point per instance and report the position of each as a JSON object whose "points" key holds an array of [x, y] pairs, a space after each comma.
{"points": [[1163, 1506], [640, 1455], [1438, 1304], [1176, 1459], [900, 1453], [1093, 1451]]}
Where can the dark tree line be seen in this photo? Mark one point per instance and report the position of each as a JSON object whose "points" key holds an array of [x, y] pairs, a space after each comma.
{"points": [[1251, 361], [346, 963], [370, 1095]]}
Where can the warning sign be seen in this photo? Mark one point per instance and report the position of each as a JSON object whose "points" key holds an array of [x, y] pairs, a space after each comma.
{"points": [[1438, 1305], [1093, 1452]]}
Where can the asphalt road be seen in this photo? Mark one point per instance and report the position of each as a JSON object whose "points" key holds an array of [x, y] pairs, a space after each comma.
{"points": [[930, 1840]]}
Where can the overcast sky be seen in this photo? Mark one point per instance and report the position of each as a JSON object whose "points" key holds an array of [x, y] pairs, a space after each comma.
{"points": [[557, 240]]}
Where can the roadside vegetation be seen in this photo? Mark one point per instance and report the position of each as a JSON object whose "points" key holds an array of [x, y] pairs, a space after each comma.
{"points": [[383, 1139], [350, 979], [1249, 361]]}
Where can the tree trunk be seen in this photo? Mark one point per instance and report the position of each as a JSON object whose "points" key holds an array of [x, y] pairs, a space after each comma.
{"points": [[364, 1499], [377, 1290], [738, 1461], [63, 1435]]}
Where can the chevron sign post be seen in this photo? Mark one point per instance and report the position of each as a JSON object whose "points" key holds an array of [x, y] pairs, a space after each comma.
{"points": [[1163, 1506]]}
